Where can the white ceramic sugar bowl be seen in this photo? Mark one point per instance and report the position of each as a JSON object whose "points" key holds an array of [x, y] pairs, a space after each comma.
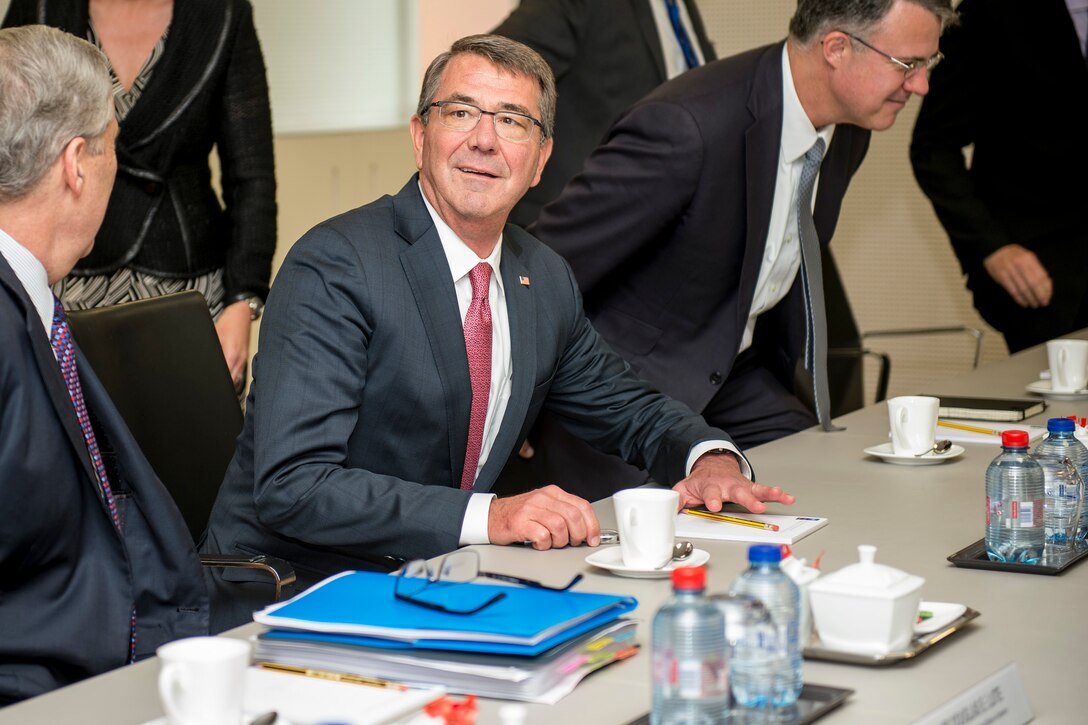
{"points": [[866, 608]]}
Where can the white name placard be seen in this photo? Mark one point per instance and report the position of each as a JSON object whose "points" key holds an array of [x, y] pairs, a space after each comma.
{"points": [[1000, 699]]}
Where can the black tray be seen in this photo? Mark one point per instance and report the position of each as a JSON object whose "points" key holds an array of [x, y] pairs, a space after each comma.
{"points": [[815, 702], [974, 557]]}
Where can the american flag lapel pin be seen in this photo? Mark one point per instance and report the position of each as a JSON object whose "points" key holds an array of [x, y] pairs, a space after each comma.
{"points": [[524, 281]]}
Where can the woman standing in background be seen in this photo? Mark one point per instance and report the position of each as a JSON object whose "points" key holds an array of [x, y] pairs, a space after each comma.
{"points": [[188, 76]]}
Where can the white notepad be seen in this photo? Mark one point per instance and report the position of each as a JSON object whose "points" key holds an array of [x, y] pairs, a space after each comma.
{"points": [[791, 528]]}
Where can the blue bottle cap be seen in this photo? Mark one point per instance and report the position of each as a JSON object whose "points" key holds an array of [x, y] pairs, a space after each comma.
{"points": [[764, 553], [1060, 425]]}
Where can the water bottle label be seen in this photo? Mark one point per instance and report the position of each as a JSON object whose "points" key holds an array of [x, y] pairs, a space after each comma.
{"points": [[1020, 514], [690, 678]]}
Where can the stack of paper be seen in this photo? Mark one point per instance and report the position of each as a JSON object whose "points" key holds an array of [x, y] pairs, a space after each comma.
{"points": [[790, 528], [544, 678], [533, 644], [983, 431]]}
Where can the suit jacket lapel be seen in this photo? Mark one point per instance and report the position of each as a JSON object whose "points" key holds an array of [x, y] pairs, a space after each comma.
{"points": [[428, 274], [763, 141], [522, 314], [645, 18], [49, 368]]}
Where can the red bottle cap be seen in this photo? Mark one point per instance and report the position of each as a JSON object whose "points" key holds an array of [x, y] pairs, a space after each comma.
{"points": [[1014, 439], [688, 578]]}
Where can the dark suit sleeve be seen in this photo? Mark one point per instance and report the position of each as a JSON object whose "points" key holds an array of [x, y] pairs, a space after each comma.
{"points": [[947, 123], [633, 187], [312, 372], [553, 28]]}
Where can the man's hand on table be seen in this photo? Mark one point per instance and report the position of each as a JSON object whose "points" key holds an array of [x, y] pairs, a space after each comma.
{"points": [[716, 478], [546, 518]]}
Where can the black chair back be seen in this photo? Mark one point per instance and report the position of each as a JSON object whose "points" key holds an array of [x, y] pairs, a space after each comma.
{"points": [[161, 362]]}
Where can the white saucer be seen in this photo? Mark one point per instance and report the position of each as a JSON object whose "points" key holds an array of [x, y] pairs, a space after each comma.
{"points": [[884, 450], [611, 558], [1042, 387], [944, 613]]}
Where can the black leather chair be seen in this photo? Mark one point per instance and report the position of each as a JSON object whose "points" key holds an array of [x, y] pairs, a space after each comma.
{"points": [[161, 362]]}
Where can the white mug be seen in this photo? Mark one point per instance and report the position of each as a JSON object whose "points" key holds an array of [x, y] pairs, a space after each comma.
{"points": [[1068, 361], [913, 421], [646, 519], [201, 680]]}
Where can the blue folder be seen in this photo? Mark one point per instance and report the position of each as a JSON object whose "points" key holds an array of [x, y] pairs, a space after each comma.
{"points": [[361, 604]]}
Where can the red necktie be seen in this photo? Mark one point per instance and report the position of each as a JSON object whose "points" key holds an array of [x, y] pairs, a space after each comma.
{"points": [[478, 347]]}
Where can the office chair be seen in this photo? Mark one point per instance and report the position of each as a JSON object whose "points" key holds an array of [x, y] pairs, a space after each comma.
{"points": [[846, 348], [161, 362]]}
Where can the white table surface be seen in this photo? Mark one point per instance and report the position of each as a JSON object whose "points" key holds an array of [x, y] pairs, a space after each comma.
{"points": [[915, 516]]}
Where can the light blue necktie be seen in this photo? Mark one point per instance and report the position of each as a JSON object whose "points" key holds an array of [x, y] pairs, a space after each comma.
{"points": [[812, 277]]}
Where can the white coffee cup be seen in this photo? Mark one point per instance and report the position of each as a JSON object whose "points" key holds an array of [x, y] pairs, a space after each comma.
{"points": [[1068, 361], [201, 680], [913, 421], [646, 519]]}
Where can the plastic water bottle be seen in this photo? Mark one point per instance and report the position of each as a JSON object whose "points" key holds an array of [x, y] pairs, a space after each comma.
{"points": [[688, 650], [765, 581], [1062, 500], [1061, 442], [751, 642], [1014, 503]]}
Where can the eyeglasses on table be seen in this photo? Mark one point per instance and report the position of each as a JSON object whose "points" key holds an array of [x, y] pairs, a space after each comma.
{"points": [[457, 567]]}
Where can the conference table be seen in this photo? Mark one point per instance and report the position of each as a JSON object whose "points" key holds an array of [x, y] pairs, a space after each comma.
{"points": [[916, 516]]}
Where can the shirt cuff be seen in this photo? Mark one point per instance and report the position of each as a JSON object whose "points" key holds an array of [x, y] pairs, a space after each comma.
{"points": [[474, 526], [706, 446]]}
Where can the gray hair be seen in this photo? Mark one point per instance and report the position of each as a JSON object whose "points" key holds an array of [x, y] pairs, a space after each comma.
{"points": [[54, 87], [815, 18], [505, 53]]}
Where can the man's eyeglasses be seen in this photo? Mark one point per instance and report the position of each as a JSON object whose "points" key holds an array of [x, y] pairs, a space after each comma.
{"points": [[458, 567], [910, 68], [510, 125]]}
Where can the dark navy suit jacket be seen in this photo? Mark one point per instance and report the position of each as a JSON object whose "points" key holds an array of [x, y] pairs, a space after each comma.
{"points": [[68, 580], [357, 420], [666, 225]]}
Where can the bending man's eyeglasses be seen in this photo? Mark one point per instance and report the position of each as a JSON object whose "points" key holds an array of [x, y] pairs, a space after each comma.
{"points": [[910, 68], [419, 582], [510, 125]]}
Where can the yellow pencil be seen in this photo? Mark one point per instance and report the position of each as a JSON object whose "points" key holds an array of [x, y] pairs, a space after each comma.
{"points": [[732, 519], [972, 428], [334, 676]]}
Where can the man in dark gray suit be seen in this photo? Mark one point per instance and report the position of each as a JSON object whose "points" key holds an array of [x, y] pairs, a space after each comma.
{"points": [[682, 229], [372, 428], [97, 567]]}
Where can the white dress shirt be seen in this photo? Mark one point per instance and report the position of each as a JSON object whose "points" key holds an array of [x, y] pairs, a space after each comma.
{"points": [[675, 63], [33, 277], [782, 255], [1078, 10]]}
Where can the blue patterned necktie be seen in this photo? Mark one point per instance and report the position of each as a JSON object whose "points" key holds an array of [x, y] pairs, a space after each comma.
{"points": [[682, 36], [813, 279], [60, 337]]}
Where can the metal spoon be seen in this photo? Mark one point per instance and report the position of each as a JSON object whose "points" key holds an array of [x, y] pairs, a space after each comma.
{"points": [[680, 551], [938, 448]]}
